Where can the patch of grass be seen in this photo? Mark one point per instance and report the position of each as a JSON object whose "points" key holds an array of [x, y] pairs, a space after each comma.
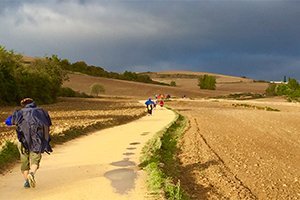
{"points": [[256, 107], [241, 96], [8, 155], [160, 161]]}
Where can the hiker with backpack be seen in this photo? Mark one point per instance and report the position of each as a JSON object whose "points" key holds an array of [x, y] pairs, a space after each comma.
{"points": [[32, 127], [149, 105]]}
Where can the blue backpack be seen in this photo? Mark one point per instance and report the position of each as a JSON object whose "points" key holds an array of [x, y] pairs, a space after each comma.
{"points": [[33, 128]]}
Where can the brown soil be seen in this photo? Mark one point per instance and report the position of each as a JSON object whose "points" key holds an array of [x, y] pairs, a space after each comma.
{"points": [[239, 152], [79, 112], [114, 87], [184, 86]]}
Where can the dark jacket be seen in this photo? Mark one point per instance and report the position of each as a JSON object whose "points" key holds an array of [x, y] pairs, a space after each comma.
{"points": [[33, 128]]}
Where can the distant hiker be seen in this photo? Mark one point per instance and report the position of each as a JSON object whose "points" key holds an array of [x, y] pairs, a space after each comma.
{"points": [[149, 104], [32, 126], [161, 103]]}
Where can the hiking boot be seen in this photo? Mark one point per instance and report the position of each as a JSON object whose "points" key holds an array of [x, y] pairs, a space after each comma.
{"points": [[31, 179], [26, 184]]}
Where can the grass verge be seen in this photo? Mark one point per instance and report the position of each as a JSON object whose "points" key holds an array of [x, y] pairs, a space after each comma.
{"points": [[160, 161], [9, 154]]}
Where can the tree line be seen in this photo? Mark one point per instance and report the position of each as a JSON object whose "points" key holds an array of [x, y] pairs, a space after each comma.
{"points": [[207, 82], [42, 79], [290, 89], [97, 71]]}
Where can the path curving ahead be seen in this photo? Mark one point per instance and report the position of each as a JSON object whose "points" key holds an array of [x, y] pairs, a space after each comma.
{"points": [[102, 165]]}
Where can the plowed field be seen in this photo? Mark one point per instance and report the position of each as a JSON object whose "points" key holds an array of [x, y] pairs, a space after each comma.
{"points": [[71, 113], [240, 152]]}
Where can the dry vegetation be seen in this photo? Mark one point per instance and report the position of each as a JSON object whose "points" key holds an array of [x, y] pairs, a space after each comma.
{"points": [[70, 113], [231, 152]]}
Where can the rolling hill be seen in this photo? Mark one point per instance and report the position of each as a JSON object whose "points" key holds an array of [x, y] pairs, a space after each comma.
{"points": [[186, 84]]}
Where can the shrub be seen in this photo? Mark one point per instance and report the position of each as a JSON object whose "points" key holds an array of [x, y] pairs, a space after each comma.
{"points": [[96, 89], [8, 155], [207, 82], [271, 90], [68, 92], [283, 89], [293, 84], [173, 83]]}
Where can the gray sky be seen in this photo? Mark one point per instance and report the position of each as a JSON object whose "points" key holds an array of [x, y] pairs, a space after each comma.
{"points": [[255, 38]]}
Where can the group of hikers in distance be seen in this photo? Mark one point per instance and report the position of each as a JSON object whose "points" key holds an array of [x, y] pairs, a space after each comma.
{"points": [[159, 100]]}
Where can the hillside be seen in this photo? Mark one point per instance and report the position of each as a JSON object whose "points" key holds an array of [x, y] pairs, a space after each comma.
{"points": [[191, 74], [186, 85]]}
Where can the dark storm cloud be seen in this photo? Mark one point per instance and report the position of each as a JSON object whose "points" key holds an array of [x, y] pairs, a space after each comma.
{"points": [[257, 39]]}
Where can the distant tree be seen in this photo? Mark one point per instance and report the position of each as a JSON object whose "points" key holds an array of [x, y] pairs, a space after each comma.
{"points": [[144, 78], [80, 66], [130, 76], [284, 79], [49, 70], [283, 89], [293, 84], [96, 89], [207, 82], [173, 83], [9, 64]]}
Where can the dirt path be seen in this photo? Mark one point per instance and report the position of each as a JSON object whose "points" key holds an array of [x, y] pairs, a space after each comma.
{"points": [[102, 165]]}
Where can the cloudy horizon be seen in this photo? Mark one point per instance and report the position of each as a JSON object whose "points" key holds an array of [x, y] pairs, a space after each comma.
{"points": [[257, 39]]}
